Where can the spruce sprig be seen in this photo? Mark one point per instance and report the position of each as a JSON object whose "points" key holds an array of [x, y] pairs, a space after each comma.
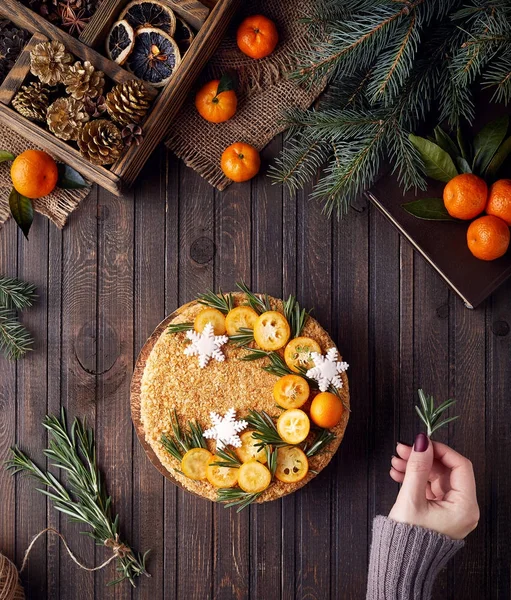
{"points": [[222, 302], [84, 499], [430, 415], [182, 440], [259, 303], [15, 293], [15, 340]]}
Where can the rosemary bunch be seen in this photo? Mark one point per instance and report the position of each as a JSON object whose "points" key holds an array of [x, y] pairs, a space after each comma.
{"points": [[430, 415], [15, 340], [320, 442], [222, 302], [182, 440], [84, 499], [258, 303]]}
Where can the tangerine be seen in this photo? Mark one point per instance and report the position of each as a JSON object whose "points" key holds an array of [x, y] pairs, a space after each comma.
{"points": [[240, 162], [488, 237], [215, 108], [34, 174], [257, 36], [326, 410], [465, 196], [499, 202]]}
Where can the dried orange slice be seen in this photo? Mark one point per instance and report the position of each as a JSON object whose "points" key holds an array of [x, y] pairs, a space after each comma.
{"points": [[291, 391], [213, 316], [271, 330], [293, 426], [150, 13], [292, 464], [195, 463], [241, 316], [253, 477], [120, 42], [155, 56], [249, 450], [221, 477]]}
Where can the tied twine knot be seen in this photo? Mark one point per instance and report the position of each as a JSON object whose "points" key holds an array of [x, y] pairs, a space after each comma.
{"points": [[118, 548]]}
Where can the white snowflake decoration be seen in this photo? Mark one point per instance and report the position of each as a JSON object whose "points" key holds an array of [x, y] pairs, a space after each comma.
{"points": [[206, 345], [327, 369], [225, 429]]}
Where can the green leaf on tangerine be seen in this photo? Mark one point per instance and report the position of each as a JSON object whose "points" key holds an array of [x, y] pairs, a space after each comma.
{"points": [[430, 209], [227, 82], [445, 142], [462, 164], [437, 162], [70, 179], [5, 156], [22, 211], [487, 142], [465, 148], [499, 158]]}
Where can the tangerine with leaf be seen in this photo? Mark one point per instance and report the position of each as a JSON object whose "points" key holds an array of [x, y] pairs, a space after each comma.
{"points": [[216, 101]]}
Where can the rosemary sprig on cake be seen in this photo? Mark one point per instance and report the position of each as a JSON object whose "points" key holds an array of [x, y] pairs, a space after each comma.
{"points": [[320, 442], [222, 302], [295, 316], [265, 429], [179, 327], [84, 499], [229, 459], [430, 415], [182, 440], [236, 497], [259, 303], [244, 337]]}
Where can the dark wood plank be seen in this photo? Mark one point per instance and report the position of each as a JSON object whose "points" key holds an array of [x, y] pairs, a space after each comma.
{"points": [[350, 301], [265, 520], [231, 558], [194, 535], [78, 367], [313, 503]]}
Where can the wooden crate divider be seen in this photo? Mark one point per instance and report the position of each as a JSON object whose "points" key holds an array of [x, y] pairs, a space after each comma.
{"points": [[16, 76]]}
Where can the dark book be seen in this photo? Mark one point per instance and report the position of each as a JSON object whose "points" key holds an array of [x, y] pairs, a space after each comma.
{"points": [[442, 243]]}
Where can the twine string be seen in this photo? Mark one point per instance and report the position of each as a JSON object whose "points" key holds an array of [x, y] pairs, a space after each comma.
{"points": [[119, 550]]}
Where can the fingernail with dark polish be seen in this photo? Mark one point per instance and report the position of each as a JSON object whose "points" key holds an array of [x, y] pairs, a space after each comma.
{"points": [[421, 443]]}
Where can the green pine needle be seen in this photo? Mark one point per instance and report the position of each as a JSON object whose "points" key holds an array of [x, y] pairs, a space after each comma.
{"points": [[84, 499], [15, 340], [15, 293], [430, 415]]}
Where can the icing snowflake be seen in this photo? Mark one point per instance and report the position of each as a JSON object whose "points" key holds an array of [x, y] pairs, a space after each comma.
{"points": [[206, 345], [225, 429], [327, 369]]}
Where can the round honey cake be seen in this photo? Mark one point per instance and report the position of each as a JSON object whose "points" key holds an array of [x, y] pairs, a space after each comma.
{"points": [[240, 397]]}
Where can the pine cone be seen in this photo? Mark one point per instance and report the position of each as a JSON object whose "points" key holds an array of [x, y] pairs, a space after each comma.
{"points": [[128, 102], [83, 81], [49, 61], [66, 117], [100, 142], [32, 101], [95, 108]]}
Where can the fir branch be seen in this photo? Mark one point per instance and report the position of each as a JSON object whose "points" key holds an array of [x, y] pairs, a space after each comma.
{"points": [[295, 316], [15, 340], [222, 302], [85, 500], [179, 327], [244, 336], [182, 440], [15, 293], [430, 415], [259, 303], [236, 497]]}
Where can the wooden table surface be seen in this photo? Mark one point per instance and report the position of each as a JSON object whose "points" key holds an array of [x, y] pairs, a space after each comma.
{"points": [[113, 274]]}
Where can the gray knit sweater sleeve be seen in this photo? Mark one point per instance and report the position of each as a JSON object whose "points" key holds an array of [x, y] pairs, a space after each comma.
{"points": [[405, 560]]}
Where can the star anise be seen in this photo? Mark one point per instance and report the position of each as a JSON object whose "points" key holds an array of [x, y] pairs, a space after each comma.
{"points": [[73, 19], [132, 134]]}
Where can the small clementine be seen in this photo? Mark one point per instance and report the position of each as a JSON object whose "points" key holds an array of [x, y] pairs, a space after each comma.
{"points": [[34, 174], [488, 237], [214, 107], [240, 162], [326, 410], [499, 202], [465, 196], [257, 36]]}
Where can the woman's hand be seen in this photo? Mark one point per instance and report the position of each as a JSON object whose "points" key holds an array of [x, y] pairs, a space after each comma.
{"points": [[438, 491]]}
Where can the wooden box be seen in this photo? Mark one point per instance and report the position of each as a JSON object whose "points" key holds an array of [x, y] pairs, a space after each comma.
{"points": [[209, 26]]}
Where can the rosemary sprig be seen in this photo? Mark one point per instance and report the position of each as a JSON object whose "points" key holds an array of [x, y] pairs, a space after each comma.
{"points": [[321, 441], [229, 459], [222, 302], [258, 303], [85, 499], [431, 415], [179, 327], [277, 364], [182, 440], [295, 316], [265, 429], [271, 458], [15, 293], [236, 497], [244, 336]]}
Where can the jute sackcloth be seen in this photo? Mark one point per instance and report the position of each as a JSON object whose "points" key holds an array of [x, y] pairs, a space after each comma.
{"points": [[56, 206], [265, 92]]}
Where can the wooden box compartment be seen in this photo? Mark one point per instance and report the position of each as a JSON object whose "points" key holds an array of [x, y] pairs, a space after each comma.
{"points": [[209, 28]]}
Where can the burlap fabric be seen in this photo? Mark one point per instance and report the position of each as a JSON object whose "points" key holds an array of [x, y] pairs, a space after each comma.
{"points": [[264, 94], [56, 206]]}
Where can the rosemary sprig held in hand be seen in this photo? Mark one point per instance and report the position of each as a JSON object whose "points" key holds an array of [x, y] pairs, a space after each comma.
{"points": [[84, 499], [431, 415]]}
